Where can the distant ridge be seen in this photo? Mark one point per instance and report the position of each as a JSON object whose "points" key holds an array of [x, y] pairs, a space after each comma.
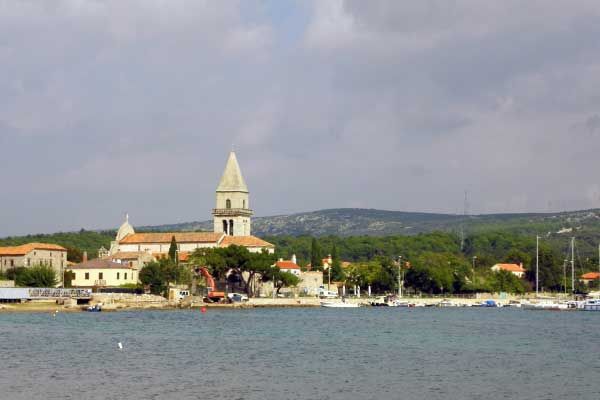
{"points": [[372, 222]]}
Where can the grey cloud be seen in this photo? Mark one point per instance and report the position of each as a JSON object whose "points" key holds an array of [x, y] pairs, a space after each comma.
{"points": [[112, 106]]}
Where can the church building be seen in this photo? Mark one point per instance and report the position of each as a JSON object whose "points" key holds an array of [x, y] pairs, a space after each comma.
{"points": [[231, 221]]}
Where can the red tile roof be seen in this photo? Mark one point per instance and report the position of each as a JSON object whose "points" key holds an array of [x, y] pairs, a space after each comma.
{"points": [[165, 237], [287, 265], [246, 241], [26, 248], [510, 267], [591, 275]]}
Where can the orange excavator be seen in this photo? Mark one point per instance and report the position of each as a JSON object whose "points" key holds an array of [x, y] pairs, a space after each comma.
{"points": [[213, 295]]}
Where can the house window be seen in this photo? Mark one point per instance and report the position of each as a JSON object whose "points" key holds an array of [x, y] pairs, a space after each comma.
{"points": [[231, 227], [131, 265], [100, 275], [227, 203], [50, 262], [74, 276], [243, 203], [50, 254], [224, 226], [118, 275], [125, 276], [12, 263], [87, 276], [29, 262]]}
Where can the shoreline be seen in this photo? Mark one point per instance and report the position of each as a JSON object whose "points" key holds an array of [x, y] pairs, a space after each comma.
{"points": [[128, 303]]}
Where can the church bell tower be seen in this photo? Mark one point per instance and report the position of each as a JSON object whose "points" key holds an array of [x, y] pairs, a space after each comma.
{"points": [[232, 211]]}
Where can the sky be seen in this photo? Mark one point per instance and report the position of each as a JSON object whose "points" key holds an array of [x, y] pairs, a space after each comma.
{"points": [[114, 107]]}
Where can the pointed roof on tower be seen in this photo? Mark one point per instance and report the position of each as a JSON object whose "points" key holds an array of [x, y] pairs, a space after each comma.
{"points": [[232, 179], [125, 229]]}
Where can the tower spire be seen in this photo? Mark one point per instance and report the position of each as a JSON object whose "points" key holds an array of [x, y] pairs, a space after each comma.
{"points": [[232, 210], [232, 179]]}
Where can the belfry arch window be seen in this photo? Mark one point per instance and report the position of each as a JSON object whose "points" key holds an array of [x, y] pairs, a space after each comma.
{"points": [[227, 203]]}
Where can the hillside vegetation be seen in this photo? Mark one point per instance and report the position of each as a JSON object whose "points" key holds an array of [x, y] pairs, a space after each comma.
{"points": [[364, 233]]}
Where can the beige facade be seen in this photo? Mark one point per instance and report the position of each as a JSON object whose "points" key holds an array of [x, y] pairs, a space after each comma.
{"points": [[31, 254], [102, 273], [310, 282]]}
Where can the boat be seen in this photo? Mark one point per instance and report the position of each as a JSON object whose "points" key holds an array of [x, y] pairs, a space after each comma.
{"points": [[95, 308], [591, 305], [339, 304], [392, 301], [545, 305], [445, 303], [488, 304]]}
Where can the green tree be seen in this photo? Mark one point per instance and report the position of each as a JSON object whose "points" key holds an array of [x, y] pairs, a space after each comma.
{"points": [[36, 276], [74, 255], [282, 279], [337, 273], [173, 250], [316, 257], [152, 275], [69, 276], [505, 281]]}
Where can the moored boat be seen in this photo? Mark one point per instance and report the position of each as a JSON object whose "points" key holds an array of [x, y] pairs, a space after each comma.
{"points": [[591, 305], [338, 304]]}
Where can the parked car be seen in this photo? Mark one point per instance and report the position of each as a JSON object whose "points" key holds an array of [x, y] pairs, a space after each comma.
{"points": [[237, 297]]}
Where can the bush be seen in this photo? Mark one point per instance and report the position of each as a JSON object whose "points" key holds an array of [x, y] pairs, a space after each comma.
{"points": [[37, 276]]}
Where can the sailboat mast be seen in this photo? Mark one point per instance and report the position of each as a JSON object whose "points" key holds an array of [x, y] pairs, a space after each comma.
{"points": [[573, 264], [537, 265]]}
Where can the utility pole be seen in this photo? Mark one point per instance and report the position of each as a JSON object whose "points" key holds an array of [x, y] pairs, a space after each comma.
{"points": [[565, 276], [537, 265]]}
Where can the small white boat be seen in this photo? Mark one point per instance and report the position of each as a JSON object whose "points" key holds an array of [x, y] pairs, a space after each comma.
{"points": [[591, 305], [545, 305], [338, 304], [446, 303]]}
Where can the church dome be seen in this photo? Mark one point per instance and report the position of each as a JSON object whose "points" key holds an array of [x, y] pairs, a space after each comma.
{"points": [[125, 229]]}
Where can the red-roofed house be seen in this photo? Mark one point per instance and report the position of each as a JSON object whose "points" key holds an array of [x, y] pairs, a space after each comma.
{"points": [[515, 269], [288, 265], [30, 254], [590, 277]]}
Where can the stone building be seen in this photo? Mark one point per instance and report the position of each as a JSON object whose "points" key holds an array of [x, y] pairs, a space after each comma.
{"points": [[31, 254]]}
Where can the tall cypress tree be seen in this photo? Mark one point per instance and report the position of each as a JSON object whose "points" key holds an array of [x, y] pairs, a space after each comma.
{"points": [[337, 273], [316, 258], [173, 250]]}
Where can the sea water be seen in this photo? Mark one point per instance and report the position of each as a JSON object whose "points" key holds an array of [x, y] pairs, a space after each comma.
{"points": [[365, 353]]}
